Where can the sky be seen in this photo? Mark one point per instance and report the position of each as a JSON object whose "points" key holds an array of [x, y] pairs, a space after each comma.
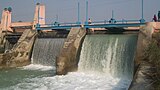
{"points": [[66, 10]]}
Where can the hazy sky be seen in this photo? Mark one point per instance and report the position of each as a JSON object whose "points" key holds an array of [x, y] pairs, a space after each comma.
{"points": [[67, 9]]}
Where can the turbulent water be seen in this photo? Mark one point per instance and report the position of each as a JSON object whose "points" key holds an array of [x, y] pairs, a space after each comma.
{"points": [[106, 63]]}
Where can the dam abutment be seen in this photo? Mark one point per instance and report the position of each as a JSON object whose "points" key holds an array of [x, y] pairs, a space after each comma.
{"points": [[20, 54], [144, 69]]}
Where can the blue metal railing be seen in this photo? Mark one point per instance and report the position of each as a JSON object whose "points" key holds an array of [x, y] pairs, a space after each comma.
{"points": [[94, 24]]}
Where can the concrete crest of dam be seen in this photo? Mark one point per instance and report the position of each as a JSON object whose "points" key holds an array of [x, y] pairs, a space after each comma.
{"points": [[87, 60]]}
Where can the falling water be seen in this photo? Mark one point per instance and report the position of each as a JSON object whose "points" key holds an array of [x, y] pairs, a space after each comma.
{"points": [[106, 63], [111, 55], [45, 51]]}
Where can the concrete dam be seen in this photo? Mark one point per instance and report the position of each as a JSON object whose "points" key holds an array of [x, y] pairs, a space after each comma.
{"points": [[107, 54], [89, 61]]}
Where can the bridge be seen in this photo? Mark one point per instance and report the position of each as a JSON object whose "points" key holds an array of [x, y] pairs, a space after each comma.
{"points": [[7, 24], [38, 22], [112, 23], [100, 25]]}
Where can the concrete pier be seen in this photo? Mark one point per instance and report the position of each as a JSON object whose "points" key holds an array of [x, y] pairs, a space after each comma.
{"points": [[67, 61], [20, 54]]}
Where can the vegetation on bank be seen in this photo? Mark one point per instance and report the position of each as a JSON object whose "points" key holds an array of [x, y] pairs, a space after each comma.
{"points": [[152, 55]]}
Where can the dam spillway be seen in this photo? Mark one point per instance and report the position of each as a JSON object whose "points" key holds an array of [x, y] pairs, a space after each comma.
{"points": [[102, 63], [106, 63], [112, 54], [45, 50]]}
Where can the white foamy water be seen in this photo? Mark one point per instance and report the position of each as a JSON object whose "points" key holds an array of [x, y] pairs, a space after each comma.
{"points": [[37, 67], [72, 81]]}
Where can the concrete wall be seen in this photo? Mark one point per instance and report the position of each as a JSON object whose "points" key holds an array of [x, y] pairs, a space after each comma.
{"points": [[20, 54], [67, 61], [143, 69], [144, 37]]}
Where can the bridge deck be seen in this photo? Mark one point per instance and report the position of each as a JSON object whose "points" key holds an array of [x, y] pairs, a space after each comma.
{"points": [[122, 25]]}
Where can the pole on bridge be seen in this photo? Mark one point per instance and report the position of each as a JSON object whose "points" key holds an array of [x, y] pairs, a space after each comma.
{"points": [[56, 18], [38, 13], [142, 17], [142, 9], [112, 20], [86, 23], [78, 22], [112, 14], [38, 25]]}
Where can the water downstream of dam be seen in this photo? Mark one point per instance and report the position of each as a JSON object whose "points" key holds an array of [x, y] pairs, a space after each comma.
{"points": [[106, 63]]}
